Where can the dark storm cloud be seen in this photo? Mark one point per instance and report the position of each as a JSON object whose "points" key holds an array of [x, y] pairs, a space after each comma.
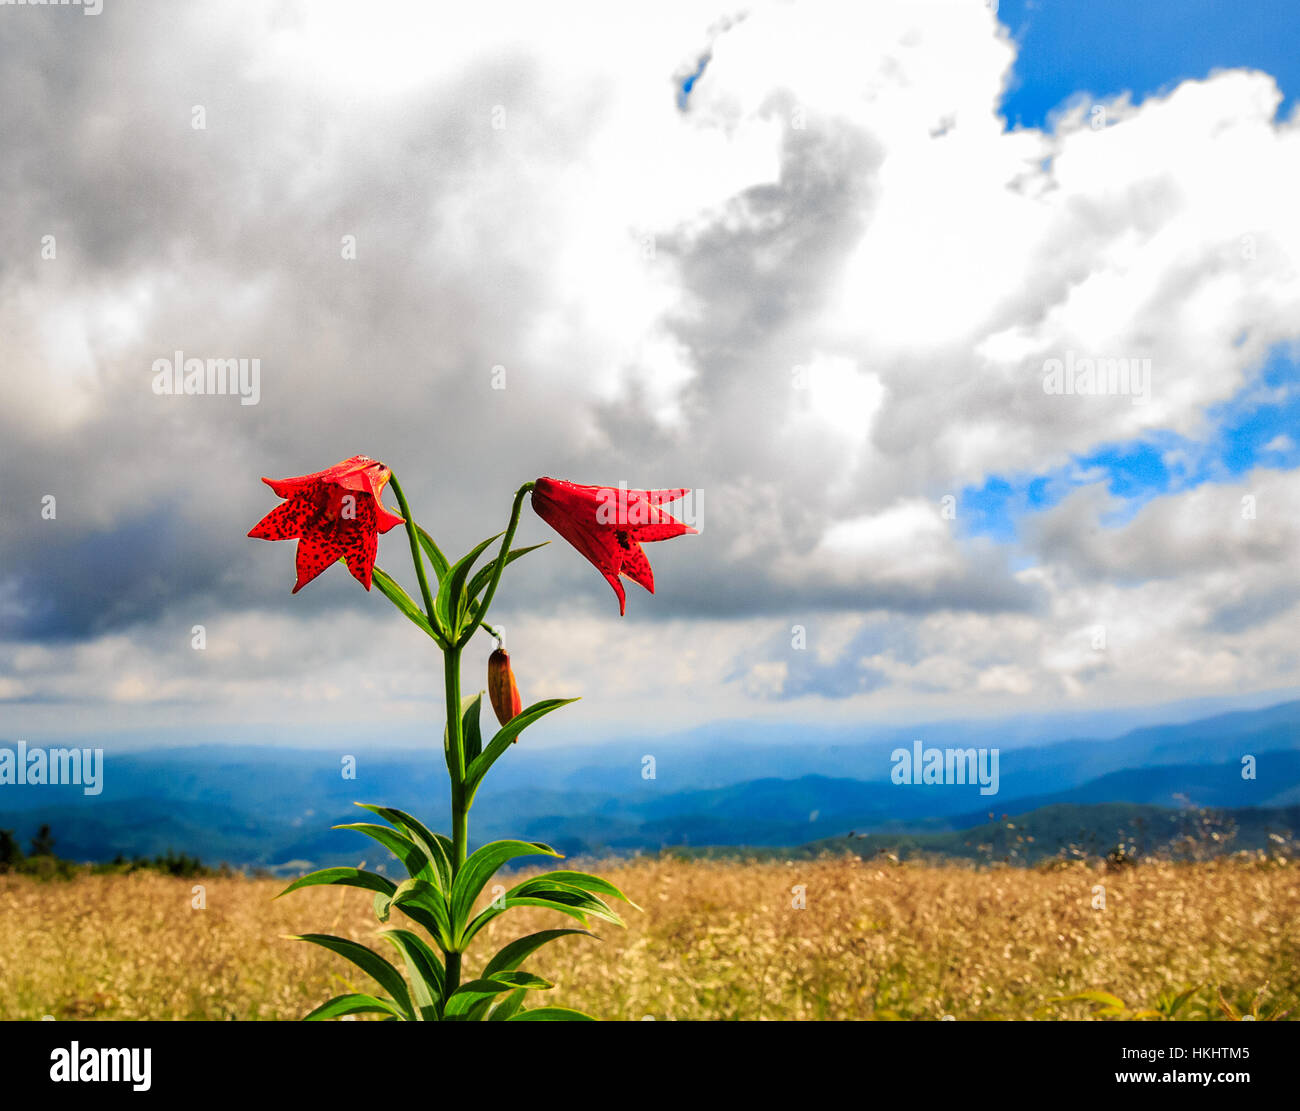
{"points": [[235, 231]]}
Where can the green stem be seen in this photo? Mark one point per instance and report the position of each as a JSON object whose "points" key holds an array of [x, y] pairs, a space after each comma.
{"points": [[459, 813], [451, 681], [417, 556], [500, 565], [451, 675]]}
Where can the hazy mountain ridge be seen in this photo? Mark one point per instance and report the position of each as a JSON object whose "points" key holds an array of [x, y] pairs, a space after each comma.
{"points": [[268, 806]]}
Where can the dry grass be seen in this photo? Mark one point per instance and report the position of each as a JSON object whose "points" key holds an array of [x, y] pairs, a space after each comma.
{"points": [[714, 940]]}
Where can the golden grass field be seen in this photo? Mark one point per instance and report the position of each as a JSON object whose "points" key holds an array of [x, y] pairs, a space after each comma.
{"points": [[714, 940]]}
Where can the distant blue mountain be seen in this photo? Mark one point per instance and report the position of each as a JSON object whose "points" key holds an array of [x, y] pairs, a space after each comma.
{"points": [[273, 806]]}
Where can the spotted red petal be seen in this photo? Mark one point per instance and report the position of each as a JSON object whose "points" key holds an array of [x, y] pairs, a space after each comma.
{"points": [[315, 552], [287, 520], [659, 524], [636, 567], [612, 578], [607, 525], [361, 544], [334, 514], [361, 561], [658, 497]]}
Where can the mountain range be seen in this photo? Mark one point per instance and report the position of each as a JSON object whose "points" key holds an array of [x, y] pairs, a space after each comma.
{"points": [[272, 806]]}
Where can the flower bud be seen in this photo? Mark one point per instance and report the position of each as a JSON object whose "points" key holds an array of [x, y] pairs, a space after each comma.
{"points": [[502, 691]]}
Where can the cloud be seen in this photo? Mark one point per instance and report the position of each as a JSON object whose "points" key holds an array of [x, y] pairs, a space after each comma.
{"points": [[822, 288], [1247, 529]]}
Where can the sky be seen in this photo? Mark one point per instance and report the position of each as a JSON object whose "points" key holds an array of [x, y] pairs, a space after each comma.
{"points": [[973, 326]]}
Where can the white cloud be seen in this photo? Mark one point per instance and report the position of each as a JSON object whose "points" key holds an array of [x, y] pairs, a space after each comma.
{"points": [[840, 195]]}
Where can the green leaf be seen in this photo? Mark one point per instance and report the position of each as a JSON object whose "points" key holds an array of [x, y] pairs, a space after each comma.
{"points": [[521, 982], [423, 969], [450, 601], [480, 868], [542, 891], [448, 851], [370, 962], [434, 553], [477, 768], [525, 980], [1103, 998], [513, 955], [1181, 999], [567, 894], [343, 877], [550, 1014], [353, 1004], [422, 916], [564, 904], [484, 575], [1107, 1005], [469, 726], [468, 996], [413, 858], [546, 886], [588, 882], [508, 1006], [436, 847], [425, 904], [401, 600]]}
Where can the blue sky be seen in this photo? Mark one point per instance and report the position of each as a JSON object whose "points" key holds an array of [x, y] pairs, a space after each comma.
{"points": [[1258, 426], [1105, 47], [1111, 46]]}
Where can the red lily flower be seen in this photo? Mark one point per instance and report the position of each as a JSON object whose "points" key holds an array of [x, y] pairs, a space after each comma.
{"points": [[608, 526], [333, 514]]}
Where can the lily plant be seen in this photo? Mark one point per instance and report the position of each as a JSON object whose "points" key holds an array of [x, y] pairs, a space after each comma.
{"points": [[338, 515]]}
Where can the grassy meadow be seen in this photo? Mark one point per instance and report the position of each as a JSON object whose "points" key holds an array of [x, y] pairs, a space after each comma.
{"points": [[713, 940]]}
